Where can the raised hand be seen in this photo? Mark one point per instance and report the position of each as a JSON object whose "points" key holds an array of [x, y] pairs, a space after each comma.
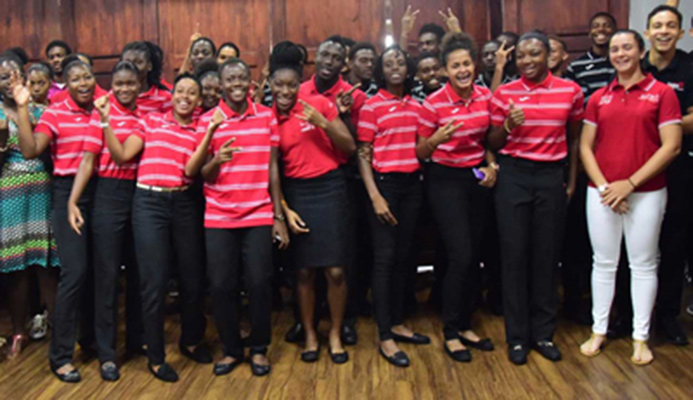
{"points": [[345, 100], [225, 153], [408, 19], [451, 20], [503, 55], [516, 116], [444, 133], [217, 119], [312, 116], [197, 33], [20, 93], [103, 106]]}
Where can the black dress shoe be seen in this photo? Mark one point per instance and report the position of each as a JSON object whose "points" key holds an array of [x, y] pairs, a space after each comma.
{"points": [[483, 344], [165, 373], [548, 350], [109, 372], [517, 354], [200, 354], [70, 377], [458, 355], [398, 359], [295, 334], [673, 331], [259, 369], [223, 369], [310, 355], [339, 358], [414, 339], [349, 336]]}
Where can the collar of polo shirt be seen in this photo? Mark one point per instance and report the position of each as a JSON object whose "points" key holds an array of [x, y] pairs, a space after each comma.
{"points": [[229, 113], [645, 84], [455, 98], [547, 83]]}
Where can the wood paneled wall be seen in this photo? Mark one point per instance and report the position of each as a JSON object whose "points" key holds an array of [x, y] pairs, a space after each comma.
{"points": [[102, 27]]}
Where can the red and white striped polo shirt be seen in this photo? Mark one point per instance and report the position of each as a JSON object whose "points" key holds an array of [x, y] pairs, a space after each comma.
{"points": [[306, 150], [239, 196], [124, 123], [154, 100], [391, 123], [465, 149], [67, 125], [548, 106], [628, 123], [168, 146]]}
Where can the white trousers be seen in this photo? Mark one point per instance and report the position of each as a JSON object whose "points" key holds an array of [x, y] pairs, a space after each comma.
{"points": [[640, 227]]}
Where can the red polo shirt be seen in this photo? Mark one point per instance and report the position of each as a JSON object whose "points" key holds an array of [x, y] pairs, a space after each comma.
{"points": [[391, 123], [154, 100], [628, 123], [167, 148], [239, 197], [64, 94], [124, 123], [548, 106], [465, 149], [67, 125], [308, 88], [306, 150]]}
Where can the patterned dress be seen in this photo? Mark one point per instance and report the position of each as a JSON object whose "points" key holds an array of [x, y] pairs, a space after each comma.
{"points": [[26, 236]]}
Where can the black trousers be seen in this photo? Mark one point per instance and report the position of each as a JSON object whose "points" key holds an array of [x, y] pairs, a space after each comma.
{"points": [[165, 223], [361, 255], [229, 250], [113, 247], [674, 237], [72, 297], [392, 247], [458, 204], [530, 207], [576, 257]]}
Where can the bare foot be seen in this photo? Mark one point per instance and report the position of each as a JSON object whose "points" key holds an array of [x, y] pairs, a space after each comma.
{"points": [[66, 369], [224, 361], [311, 341], [455, 345], [470, 335], [593, 345], [642, 355], [402, 331], [260, 359], [389, 347], [336, 342]]}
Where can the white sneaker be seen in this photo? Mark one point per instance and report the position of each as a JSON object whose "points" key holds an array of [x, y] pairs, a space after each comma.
{"points": [[38, 327]]}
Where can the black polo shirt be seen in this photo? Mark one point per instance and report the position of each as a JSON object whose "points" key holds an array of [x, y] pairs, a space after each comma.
{"points": [[590, 72], [679, 76]]}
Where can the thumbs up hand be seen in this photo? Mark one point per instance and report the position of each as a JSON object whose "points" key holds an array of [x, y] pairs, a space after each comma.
{"points": [[516, 116]]}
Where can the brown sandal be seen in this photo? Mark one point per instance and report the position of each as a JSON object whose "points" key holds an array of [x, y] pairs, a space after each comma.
{"points": [[588, 344], [643, 344]]}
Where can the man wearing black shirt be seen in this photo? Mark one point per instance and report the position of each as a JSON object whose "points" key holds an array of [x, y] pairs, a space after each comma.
{"points": [[673, 67]]}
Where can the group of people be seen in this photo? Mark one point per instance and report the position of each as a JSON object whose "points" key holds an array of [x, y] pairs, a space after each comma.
{"points": [[505, 147]]}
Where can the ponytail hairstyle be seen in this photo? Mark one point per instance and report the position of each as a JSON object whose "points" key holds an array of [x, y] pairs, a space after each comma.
{"points": [[127, 66], [153, 54], [453, 41], [286, 55], [539, 35], [211, 43], [379, 76], [73, 61], [41, 67], [227, 44]]}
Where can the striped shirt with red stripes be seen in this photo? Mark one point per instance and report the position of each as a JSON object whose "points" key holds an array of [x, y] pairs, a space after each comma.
{"points": [[465, 149], [67, 125], [168, 146], [239, 197], [390, 124], [154, 100], [124, 123], [548, 107]]}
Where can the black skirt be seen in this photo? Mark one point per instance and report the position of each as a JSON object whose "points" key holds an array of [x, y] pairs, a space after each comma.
{"points": [[322, 203]]}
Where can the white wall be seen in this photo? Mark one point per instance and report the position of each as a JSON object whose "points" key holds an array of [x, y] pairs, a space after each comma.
{"points": [[640, 8]]}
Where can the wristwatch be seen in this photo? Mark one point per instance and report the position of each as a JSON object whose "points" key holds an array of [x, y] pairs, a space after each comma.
{"points": [[602, 188], [104, 125], [494, 165]]}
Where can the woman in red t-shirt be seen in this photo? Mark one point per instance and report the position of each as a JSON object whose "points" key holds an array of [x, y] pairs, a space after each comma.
{"points": [[632, 132], [310, 132]]}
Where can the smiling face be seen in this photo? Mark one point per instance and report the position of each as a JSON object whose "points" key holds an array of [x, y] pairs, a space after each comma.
{"points": [[624, 53], [430, 73], [663, 31], [601, 30], [56, 55], [39, 83], [200, 51], [394, 68], [126, 87], [80, 84], [557, 55], [285, 84], [235, 83], [532, 59], [211, 91], [186, 97], [329, 60], [460, 70], [363, 63]]}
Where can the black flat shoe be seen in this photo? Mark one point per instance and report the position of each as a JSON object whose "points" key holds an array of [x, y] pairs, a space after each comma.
{"points": [[415, 339], [517, 354], [483, 344], [310, 355], [166, 372], [348, 335], [200, 354], [459, 355], [398, 359], [70, 377], [109, 372], [295, 334], [259, 369], [548, 350], [339, 358], [224, 369]]}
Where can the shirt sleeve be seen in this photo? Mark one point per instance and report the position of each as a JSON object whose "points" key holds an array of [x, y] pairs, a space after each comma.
{"points": [[367, 128], [328, 109], [274, 133], [48, 124], [428, 120], [592, 112], [669, 108], [94, 140], [498, 108], [143, 127], [359, 101], [577, 112]]}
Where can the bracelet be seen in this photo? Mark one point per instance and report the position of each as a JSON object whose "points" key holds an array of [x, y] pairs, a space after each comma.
{"points": [[280, 217], [494, 165], [633, 184], [105, 125], [5, 147], [505, 126]]}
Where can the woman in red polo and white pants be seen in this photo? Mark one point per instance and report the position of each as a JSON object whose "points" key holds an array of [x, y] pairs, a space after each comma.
{"points": [[632, 132]]}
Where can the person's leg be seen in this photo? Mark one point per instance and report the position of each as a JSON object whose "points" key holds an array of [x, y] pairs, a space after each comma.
{"points": [[257, 263], [48, 284], [305, 287], [134, 324], [18, 290], [336, 298]]}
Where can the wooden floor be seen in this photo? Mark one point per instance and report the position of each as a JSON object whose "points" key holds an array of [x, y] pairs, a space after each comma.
{"points": [[433, 375]]}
